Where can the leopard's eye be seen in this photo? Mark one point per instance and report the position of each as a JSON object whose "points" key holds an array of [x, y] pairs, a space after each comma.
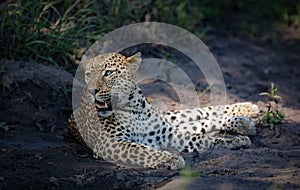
{"points": [[88, 74], [108, 72]]}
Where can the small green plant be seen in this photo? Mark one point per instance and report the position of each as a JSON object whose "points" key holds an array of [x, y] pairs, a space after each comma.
{"points": [[272, 116], [272, 95], [188, 175]]}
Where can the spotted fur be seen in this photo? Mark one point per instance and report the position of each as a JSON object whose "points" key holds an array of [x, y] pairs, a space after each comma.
{"points": [[118, 123]]}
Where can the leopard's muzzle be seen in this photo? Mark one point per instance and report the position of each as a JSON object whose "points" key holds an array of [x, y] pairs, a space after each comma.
{"points": [[105, 104]]}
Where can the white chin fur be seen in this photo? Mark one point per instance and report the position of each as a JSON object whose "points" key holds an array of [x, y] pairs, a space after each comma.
{"points": [[105, 113]]}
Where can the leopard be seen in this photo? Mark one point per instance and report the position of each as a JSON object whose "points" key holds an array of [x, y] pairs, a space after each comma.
{"points": [[120, 125]]}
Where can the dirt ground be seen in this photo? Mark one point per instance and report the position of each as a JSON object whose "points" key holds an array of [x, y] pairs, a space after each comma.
{"points": [[36, 152]]}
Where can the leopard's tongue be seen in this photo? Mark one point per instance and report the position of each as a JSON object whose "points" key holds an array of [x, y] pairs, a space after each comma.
{"points": [[102, 105]]}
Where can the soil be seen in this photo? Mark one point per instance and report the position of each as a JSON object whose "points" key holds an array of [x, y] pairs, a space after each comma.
{"points": [[37, 153]]}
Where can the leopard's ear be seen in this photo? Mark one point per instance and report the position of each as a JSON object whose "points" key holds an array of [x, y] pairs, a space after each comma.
{"points": [[135, 61]]}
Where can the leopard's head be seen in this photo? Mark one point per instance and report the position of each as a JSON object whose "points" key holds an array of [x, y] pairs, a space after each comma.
{"points": [[110, 79]]}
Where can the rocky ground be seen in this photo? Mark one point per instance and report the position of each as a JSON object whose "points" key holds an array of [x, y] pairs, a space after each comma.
{"points": [[36, 153]]}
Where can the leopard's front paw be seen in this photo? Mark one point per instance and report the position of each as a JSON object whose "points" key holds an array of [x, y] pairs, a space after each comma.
{"points": [[246, 126], [242, 142], [242, 125], [172, 162]]}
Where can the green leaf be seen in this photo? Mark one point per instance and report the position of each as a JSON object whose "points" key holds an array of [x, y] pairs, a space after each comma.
{"points": [[265, 94], [2, 123]]}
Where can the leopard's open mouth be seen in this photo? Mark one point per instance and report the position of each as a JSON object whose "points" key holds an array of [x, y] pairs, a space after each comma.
{"points": [[104, 106]]}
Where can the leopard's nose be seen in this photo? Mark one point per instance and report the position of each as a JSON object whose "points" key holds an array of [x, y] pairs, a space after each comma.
{"points": [[96, 90]]}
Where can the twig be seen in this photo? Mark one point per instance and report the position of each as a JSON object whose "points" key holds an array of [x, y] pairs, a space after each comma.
{"points": [[66, 13]]}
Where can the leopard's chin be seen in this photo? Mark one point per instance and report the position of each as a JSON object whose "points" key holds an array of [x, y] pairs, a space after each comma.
{"points": [[105, 113]]}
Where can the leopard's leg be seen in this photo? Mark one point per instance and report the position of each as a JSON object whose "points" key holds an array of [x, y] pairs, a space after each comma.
{"points": [[186, 142], [73, 130], [130, 154], [176, 117], [216, 124], [239, 109], [203, 126], [246, 109]]}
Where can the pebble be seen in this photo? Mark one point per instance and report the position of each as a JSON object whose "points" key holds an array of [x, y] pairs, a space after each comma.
{"points": [[54, 181]]}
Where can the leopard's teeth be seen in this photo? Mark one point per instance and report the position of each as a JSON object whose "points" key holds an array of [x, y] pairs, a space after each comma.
{"points": [[102, 105]]}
